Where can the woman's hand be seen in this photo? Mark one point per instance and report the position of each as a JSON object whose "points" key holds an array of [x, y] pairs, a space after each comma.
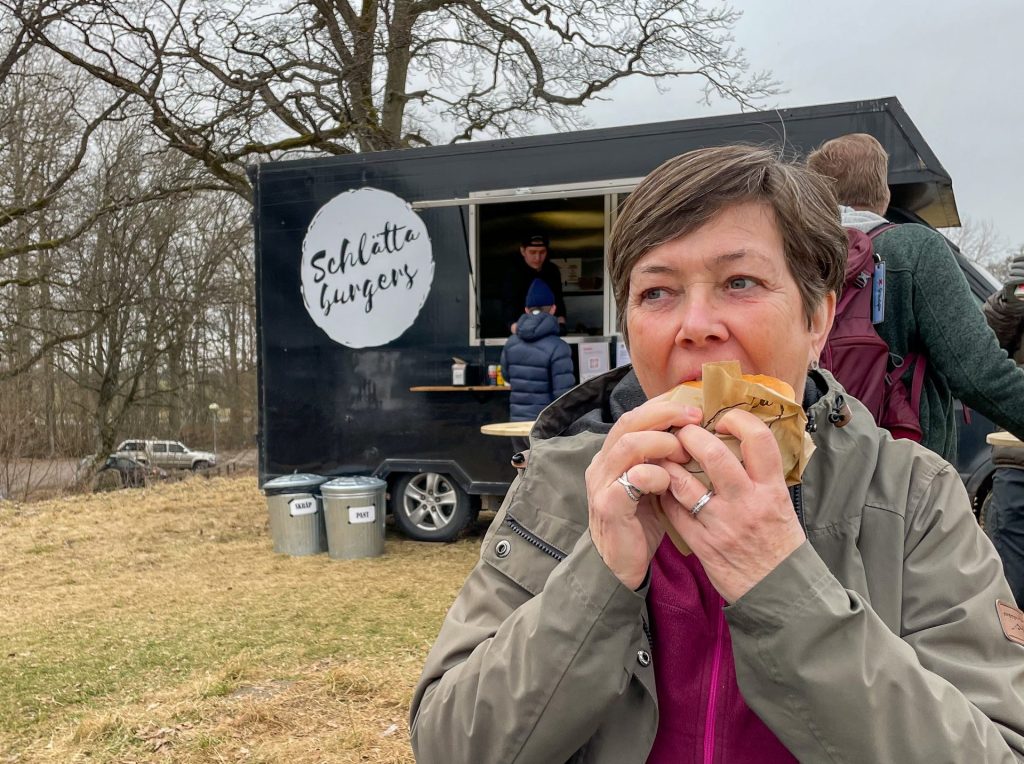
{"points": [[748, 527], [627, 532]]}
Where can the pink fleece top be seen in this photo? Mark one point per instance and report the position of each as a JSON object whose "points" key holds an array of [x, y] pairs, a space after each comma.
{"points": [[703, 719]]}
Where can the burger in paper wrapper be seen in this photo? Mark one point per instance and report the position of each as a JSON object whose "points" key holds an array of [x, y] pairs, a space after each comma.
{"points": [[723, 388]]}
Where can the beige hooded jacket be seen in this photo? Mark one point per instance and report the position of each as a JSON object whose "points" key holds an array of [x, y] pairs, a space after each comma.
{"points": [[878, 640]]}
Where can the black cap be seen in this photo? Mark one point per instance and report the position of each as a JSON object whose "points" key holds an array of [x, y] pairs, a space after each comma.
{"points": [[536, 240]]}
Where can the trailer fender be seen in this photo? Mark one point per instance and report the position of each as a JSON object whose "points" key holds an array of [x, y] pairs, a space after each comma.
{"points": [[449, 467]]}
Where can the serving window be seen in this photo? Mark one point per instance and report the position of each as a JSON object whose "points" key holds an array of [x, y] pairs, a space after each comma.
{"points": [[575, 228], [576, 218]]}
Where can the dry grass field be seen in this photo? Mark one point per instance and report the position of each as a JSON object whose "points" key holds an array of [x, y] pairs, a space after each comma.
{"points": [[157, 625]]}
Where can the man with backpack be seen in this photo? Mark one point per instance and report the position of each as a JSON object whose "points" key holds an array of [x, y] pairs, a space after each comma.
{"points": [[939, 345]]}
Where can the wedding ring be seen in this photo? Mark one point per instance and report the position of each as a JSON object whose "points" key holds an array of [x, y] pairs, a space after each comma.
{"points": [[634, 493], [701, 502]]}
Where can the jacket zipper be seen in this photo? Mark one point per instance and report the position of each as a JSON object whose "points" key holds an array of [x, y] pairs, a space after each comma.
{"points": [[647, 632], [523, 532], [796, 495], [716, 667], [538, 542]]}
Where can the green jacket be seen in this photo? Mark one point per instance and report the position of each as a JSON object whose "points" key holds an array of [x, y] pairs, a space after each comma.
{"points": [[876, 641], [929, 309]]}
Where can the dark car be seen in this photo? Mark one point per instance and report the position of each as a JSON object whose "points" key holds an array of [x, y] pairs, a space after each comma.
{"points": [[125, 472]]}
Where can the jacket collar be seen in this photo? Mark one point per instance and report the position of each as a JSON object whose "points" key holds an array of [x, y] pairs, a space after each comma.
{"points": [[863, 220]]}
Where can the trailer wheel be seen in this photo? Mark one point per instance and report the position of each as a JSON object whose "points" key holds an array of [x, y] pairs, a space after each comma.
{"points": [[430, 506]]}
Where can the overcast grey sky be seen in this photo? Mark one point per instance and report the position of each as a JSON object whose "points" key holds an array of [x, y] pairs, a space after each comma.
{"points": [[957, 68]]}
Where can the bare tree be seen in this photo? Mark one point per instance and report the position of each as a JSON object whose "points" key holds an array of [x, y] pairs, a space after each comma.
{"points": [[229, 82], [48, 114], [109, 251], [980, 242], [21, 436], [43, 140], [223, 366]]}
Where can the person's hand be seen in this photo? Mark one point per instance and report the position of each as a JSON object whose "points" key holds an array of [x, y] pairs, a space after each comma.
{"points": [[1016, 277], [627, 532], [748, 526], [513, 327]]}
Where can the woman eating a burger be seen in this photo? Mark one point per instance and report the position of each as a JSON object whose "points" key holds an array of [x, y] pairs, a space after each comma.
{"points": [[680, 574]]}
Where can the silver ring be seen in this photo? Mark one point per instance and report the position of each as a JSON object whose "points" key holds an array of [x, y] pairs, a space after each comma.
{"points": [[701, 502], [634, 493]]}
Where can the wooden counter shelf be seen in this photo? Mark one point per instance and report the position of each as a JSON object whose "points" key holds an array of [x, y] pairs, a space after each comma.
{"points": [[460, 388]]}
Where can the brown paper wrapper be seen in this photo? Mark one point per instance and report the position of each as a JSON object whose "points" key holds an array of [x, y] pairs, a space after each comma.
{"points": [[723, 390]]}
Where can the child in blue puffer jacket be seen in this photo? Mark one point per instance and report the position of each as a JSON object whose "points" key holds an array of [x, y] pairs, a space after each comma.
{"points": [[536, 362]]}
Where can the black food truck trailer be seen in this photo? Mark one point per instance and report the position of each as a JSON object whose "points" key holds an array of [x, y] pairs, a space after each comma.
{"points": [[376, 272]]}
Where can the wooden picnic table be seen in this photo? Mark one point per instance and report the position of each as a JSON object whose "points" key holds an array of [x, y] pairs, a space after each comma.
{"points": [[507, 429], [1002, 438]]}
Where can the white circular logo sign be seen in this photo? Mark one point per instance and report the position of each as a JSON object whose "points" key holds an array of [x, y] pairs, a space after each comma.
{"points": [[366, 267]]}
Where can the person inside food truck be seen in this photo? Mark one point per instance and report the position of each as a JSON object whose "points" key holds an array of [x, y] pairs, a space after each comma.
{"points": [[532, 263], [714, 554]]}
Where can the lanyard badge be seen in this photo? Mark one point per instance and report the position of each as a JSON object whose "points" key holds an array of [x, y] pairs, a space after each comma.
{"points": [[878, 294]]}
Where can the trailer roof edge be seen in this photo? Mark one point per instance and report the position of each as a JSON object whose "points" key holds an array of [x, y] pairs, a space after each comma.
{"points": [[781, 115]]}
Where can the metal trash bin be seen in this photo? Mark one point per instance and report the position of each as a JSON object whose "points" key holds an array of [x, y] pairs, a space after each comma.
{"points": [[354, 513], [296, 514]]}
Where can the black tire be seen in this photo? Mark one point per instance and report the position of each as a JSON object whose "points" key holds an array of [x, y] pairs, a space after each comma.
{"points": [[200, 466], [430, 506]]}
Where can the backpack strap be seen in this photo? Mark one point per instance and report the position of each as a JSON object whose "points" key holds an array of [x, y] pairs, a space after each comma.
{"points": [[916, 360], [881, 228], [920, 366], [917, 382]]}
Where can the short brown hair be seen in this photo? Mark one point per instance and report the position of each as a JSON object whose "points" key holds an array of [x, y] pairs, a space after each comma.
{"points": [[686, 192], [859, 166]]}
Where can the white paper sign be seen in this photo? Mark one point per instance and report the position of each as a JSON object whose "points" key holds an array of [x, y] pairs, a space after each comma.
{"points": [[570, 268], [367, 267], [593, 359], [362, 514], [621, 353], [297, 507]]}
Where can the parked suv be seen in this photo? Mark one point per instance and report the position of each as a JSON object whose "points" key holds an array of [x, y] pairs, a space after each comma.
{"points": [[169, 454]]}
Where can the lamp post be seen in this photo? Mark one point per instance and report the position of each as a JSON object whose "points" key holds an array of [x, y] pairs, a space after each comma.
{"points": [[214, 408]]}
